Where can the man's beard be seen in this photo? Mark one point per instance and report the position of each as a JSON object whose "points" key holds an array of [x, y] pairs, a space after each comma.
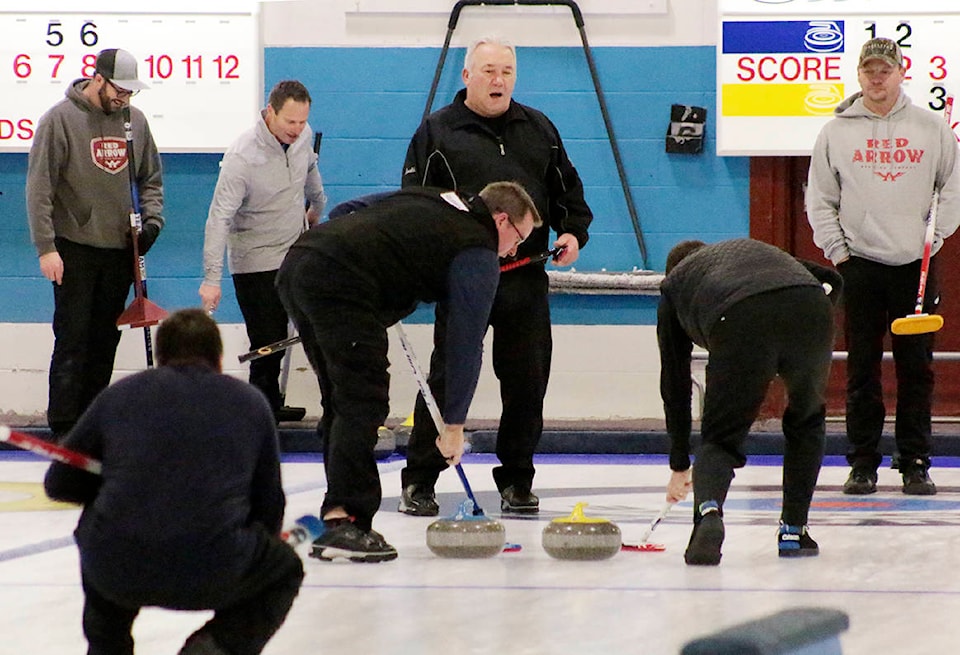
{"points": [[106, 103]]}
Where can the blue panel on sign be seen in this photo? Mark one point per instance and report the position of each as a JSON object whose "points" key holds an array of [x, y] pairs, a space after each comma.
{"points": [[803, 36]]}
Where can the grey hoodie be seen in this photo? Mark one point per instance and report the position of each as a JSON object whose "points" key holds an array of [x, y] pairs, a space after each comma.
{"points": [[872, 180], [78, 184]]}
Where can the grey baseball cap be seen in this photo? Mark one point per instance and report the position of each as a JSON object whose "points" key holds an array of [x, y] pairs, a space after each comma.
{"points": [[120, 67]]}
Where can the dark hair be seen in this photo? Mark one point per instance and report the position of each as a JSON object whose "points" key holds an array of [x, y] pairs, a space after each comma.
{"points": [[189, 336], [288, 90], [511, 198], [680, 252]]}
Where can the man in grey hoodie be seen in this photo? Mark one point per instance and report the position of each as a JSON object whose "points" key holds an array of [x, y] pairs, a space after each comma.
{"points": [[874, 172], [78, 204]]}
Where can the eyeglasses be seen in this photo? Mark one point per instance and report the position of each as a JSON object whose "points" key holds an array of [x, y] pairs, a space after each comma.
{"points": [[122, 93], [520, 237]]}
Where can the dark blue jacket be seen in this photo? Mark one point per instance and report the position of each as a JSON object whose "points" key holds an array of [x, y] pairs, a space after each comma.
{"points": [[190, 463]]}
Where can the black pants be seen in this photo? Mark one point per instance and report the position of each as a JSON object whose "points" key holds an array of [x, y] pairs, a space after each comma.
{"points": [[247, 611], [96, 283], [787, 333], [266, 322], [874, 296], [346, 344], [522, 348]]}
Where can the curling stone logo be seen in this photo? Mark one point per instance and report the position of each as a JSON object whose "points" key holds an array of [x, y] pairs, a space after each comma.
{"points": [[109, 153], [824, 36], [822, 98]]}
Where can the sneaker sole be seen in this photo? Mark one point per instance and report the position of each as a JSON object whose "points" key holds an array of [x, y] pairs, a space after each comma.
{"points": [[860, 491], [920, 492], [328, 554], [800, 552], [705, 550], [519, 510], [413, 511]]}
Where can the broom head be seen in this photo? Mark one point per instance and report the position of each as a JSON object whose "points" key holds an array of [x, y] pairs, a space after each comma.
{"points": [[141, 313], [917, 324]]}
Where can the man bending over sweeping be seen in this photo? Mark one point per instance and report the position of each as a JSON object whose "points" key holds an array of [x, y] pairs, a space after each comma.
{"points": [[760, 313]]}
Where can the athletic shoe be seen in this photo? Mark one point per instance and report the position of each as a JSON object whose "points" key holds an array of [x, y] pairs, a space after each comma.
{"points": [[344, 539], [861, 481], [795, 541], [916, 480], [417, 500], [706, 538], [518, 501]]}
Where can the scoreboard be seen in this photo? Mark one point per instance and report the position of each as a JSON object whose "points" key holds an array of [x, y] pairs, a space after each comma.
{"points": [[783, 65], [204, 71]]}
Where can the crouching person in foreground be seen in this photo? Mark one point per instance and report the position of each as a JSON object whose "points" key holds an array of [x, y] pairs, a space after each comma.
{"points": [[188, 510], [759, 313], [345, 281]]}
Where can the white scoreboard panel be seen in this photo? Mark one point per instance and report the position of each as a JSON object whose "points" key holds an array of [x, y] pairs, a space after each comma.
{"points": [[204, 71], [783, 65]]}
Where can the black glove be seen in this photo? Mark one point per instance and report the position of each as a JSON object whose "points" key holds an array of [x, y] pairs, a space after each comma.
{"points": [[148, 234]]}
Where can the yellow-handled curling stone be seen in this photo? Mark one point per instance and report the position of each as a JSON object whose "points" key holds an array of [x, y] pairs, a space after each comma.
{"points": [[578, 537]]}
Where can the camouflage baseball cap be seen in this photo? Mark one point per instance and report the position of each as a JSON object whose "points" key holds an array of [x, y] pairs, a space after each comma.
{"points": [[884, 49]]}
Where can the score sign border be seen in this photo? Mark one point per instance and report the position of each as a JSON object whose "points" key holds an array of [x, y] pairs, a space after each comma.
{"points": [[186, 114], [765, 132]]}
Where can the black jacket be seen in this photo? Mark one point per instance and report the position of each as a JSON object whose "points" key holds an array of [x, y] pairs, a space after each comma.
{"points": [[454, 148], [693, 297], [415, 245]]}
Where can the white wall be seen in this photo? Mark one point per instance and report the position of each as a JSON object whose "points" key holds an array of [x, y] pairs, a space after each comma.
{"points": [[423, 23], [599, 373]]}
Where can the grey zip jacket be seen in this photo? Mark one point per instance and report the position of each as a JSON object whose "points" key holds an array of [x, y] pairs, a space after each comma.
{"points": [[257, 210], [872, 181]]}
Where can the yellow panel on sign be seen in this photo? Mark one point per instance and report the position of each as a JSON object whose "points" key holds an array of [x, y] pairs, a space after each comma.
{"points": [[780, 99]]}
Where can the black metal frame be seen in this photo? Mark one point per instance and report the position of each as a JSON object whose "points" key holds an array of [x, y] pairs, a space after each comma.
{"points": [[578, 19]]}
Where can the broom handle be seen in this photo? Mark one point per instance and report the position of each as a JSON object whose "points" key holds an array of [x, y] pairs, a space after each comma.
{"points": [[931, 222], [431, 403], [50, 450], [927, 248], [655, 522]]}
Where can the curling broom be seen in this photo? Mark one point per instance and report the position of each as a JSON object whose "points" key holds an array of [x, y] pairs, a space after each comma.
{"points": [[920, 322], [645, 546], [431, 402]]}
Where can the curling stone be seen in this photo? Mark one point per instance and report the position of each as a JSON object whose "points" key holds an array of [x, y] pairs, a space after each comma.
{"points": [[466, 536], [577, 537], [386, 443]]}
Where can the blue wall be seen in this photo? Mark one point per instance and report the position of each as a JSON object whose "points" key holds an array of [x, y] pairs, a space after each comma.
{"points": [[368, 102]]}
